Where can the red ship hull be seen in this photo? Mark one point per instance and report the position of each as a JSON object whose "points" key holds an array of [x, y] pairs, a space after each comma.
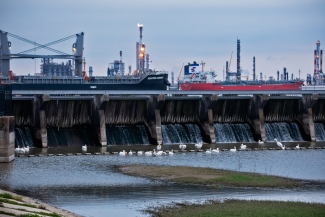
{"points": [[241, 87]]}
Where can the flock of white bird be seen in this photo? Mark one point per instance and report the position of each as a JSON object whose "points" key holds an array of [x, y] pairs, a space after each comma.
{"points": [[197, 146], [159, 152], [23, 150]]}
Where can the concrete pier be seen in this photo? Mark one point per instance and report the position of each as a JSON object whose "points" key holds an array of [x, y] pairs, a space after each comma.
{"points": [[7, 139], [306, 117]]}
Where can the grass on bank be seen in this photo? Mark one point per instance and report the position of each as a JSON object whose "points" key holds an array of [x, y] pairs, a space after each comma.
{"points": [[18, 200], [240, 208], [209, 176]]}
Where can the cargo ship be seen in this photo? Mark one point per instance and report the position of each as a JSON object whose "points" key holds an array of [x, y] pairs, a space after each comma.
{"points": [[153, 81], [72, 75], [205, 81]]}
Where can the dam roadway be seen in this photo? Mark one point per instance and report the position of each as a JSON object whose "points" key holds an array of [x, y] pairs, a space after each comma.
{"points": [[305, 90]]}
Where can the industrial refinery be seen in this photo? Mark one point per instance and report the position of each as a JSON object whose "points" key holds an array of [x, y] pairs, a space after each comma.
{"points": [[55, 75]]}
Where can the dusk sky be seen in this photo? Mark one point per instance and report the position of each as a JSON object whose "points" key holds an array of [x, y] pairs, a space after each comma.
{"points": [[278, 33]]}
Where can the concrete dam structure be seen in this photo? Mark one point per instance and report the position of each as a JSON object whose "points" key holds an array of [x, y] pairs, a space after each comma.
{"points": [[212, 118]]}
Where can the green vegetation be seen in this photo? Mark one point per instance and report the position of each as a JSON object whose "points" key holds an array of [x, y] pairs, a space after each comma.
{"points": [[3, 200], [10, 199], [29, 215], [209, 176], [39, 214], [241, 208], [9, 196], [6, 213]]}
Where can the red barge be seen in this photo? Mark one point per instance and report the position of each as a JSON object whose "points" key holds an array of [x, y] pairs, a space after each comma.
{"points": [[205, 81], [244, 86]]}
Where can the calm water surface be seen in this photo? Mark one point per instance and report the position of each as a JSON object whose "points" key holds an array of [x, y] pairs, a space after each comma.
{"points": [[89, 184]]}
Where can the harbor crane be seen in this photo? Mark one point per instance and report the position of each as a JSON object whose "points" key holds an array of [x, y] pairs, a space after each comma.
{"points": [[179, 75], [6, 55]]}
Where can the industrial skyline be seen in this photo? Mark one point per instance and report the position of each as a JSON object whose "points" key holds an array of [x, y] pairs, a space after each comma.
{"points": [[279, 34]]}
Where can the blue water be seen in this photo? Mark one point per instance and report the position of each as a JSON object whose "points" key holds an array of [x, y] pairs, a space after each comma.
{"points": [[90, 185]]}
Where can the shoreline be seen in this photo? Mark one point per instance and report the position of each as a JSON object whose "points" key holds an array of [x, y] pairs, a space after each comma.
{"points": [[19, 204]]}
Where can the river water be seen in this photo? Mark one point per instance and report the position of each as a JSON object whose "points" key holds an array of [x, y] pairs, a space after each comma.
{"points": [[90, 185]]}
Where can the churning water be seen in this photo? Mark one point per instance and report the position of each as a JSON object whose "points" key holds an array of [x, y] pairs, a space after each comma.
{"points": [[127, 135], [181, 134], [283, 131], [233, 133], [319, 131], [23, 137]]}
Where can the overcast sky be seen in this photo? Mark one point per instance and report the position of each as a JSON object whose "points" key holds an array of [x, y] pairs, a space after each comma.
{"points": [[278, 33]]}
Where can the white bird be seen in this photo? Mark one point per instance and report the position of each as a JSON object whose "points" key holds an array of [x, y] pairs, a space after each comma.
{"points": [[181, 146], [26, 149], [209, 151], [84, 148], [216, 150], [159, 146], [233, 149], [140, 152], [17, 150], [148, 153], [21, 151], [171, 152], [122, 153], [198, 145], [157, 153], [278, 143], [260, 142], [130, 152], [297, 146], [243, 147]]}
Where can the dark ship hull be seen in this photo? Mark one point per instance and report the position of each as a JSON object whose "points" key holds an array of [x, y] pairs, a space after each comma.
{"points": [[143, 82]]}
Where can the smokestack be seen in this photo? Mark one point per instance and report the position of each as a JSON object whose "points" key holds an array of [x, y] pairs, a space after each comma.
{"points": [[253, 68], [315, 61], [285, 73], [90, 71], [277, 73], [140, 29], [130, 69], [121, 57], [238, 60], [147, 62], [227, 75], [261, 76], [321, 61]]}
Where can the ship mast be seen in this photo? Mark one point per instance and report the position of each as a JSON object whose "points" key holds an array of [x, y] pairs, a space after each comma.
{"points": [[202, 64]]}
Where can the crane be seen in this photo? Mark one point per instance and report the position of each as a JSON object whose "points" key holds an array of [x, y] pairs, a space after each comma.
{"points": [[230, 61], [180, 72]]}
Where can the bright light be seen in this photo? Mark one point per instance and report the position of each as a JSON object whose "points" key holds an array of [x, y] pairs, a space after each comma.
{"points": [[140, 25]]}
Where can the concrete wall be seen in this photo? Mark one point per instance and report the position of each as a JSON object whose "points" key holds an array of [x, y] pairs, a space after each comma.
{"points": [[164, 109], [7, 139]]}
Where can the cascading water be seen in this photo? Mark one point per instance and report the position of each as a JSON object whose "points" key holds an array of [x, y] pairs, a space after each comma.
{"points": [[233, 133], [23, 137], [70, 136], [181, 134], [283, 131], [127, 135], [319, 131]]}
